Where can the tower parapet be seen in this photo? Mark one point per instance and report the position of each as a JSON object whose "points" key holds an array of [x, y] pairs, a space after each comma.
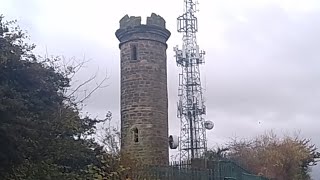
{"points": [[132, 29], [156, 20], [132, 21]]}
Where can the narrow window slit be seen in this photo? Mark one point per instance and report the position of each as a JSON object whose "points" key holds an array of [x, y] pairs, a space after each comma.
{"points": [[134, 54], [135, 135]]}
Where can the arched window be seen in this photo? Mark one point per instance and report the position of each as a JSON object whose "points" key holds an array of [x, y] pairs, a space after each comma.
{"points": [[135, 133]]}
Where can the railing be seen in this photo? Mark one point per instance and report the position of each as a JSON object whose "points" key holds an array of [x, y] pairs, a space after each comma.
{"points": [[246, 176], [171, 173], [225, 169], [214, 170]]}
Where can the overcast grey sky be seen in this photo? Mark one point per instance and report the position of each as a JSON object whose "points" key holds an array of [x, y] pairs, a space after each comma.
{"points": [[261, 71]]}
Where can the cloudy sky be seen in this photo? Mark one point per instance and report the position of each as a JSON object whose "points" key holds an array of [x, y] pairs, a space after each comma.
{"points": [[261, 68]]}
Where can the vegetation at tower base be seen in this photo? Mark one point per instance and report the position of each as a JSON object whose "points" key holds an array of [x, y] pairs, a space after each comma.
{"points": [[284, 158], [42, 134]]}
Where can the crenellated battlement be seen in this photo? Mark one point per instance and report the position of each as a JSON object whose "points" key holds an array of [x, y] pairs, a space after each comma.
{"points": [[131, 29], [132, 21], [156, 20]]}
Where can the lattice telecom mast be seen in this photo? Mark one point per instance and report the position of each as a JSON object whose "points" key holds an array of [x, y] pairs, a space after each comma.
{"points": [[191, 108]]}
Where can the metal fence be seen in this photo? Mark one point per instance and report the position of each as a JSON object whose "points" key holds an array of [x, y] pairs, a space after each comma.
{"points": [[171, 173], [246, 176], [226, 169], [215, 170]]}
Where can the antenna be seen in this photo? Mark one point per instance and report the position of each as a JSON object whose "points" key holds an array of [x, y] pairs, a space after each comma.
{"points": [[191, 108]]}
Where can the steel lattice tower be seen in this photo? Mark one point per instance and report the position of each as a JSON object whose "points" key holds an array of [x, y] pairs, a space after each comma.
{"points": [[191, 108]]}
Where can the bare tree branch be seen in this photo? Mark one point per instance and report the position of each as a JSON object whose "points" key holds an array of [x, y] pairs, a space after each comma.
{"points": [[98, 86], [82, 84]]}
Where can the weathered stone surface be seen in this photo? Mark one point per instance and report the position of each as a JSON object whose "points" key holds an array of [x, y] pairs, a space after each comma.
{"points": [[156, 20], [131, 21], [144, 98]]}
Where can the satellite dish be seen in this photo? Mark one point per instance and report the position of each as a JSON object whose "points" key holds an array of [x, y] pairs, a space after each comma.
{"points": [[208, 125], [173, 141]]}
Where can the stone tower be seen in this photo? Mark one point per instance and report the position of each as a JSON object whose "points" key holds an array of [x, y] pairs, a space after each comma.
{"points": [[144, 99]]}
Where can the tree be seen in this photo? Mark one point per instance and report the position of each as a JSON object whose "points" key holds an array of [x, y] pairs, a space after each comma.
{"points": [[216, 153], [42, 134], [287, 158], [109, 136]]}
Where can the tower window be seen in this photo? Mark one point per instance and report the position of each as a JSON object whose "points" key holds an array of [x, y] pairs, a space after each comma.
{"points": [[135, 135], [134, 54]]}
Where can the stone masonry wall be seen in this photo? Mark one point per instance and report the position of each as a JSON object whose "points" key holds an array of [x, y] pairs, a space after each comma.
{"points": [[144, 99]]}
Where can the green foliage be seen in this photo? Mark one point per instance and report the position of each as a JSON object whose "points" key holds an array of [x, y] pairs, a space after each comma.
{"points": [[109, 168], [282, 158], [42, 135]]}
